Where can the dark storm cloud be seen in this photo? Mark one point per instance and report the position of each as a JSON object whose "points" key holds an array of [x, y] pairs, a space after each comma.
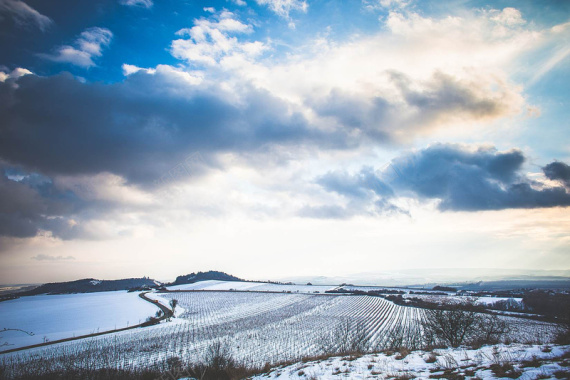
{"points": [[139, 129], [558, 171], [462, 179], [22, 15], [466, 180], [31, 204]]}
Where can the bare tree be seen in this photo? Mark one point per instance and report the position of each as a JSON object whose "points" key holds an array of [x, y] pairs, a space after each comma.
{"points": [[491, 329], [173, 303], [348, 336], [452, 326], [462, 323], [219, 356]]}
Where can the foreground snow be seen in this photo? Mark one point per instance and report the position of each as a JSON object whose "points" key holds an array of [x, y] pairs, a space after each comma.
{"points": [[527, 362], [53, 317]]}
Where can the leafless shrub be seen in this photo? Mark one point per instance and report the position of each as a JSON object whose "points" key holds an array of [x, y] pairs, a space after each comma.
{"points": [[348, 337], [458, 324]]}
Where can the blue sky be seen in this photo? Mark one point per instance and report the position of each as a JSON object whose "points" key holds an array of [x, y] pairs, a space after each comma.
{"points": [[252, 135]]}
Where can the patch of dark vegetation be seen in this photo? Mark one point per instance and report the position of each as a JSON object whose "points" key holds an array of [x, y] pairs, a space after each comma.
{"points": [[204, 276], [8, 297], [562, 374], [533, 363], [555, 305], [357, 292], [445, 288], [431, 358], [506, 370], [90, 285]]}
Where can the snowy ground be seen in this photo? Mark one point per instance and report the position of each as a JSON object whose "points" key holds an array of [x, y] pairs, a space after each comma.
{"points": [[259, 327], [489, 362], [252, 286], [54, 317]]}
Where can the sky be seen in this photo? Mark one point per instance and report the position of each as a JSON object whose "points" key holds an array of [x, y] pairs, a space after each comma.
{"points": [[280, 138]]}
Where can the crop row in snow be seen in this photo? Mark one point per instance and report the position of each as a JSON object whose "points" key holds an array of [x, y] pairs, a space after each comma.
{"points": [[258, 327]]}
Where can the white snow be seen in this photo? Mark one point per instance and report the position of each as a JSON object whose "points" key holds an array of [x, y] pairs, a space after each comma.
{"points": [[178, 311], [262, 327], [56, 317], [414, 365]]}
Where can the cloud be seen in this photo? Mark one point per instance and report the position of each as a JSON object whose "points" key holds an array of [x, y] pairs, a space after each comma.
{"points": [[284, 7], [42, 257], [138, 129], [373, 84], [12, 76], [240, 3], [460, 178], [558, 171], [88, 46], [508, 16], [373, 5], [117, 141], [418, 106], [211, 41], [31, 204], [138, 3], [23, 15], [364, 193], [67, 207]]}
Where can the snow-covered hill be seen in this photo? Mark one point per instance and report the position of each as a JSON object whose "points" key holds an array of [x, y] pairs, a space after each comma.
{"points": [[488, 362]]}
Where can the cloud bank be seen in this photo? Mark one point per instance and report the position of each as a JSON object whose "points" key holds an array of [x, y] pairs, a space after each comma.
{"points": [[458, 177]]}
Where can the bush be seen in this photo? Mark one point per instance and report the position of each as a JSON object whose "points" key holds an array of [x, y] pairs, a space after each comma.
{"points": [[348, 337], [457, 324]]}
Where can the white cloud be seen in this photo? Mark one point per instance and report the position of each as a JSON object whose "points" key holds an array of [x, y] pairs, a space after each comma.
{"points": [[467, 53], [465, 71], [284, 7], [211, 41], [240, 3], [508, 16], [88, 46], [372, 5], [103, 187], [138, 3], [23, 14], [131, 69], [14, 74]]}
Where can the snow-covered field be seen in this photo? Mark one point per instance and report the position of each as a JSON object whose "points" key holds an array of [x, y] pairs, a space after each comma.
{"points": [[53, 317], [381, 289], [258, 327], [252, 287], [486, 301], [528, 362]]}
